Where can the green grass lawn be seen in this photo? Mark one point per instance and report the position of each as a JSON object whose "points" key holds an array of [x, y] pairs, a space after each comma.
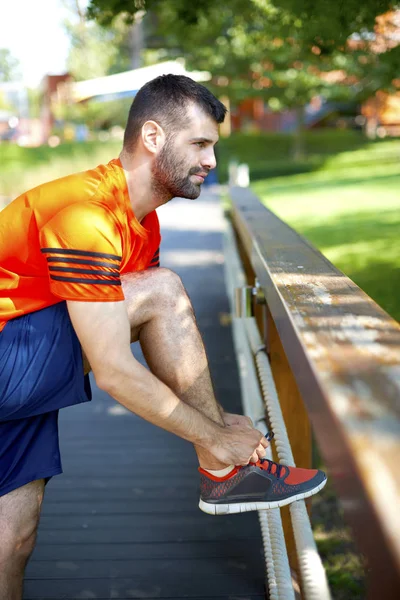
{"points": [[24, 168], [351, 212]]}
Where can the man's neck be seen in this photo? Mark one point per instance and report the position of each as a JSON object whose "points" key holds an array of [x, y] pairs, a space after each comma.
{"points": [[143, 195]]}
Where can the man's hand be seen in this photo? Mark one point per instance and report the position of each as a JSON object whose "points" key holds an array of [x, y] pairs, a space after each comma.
{"points": [[232, 419], [239, 445]]}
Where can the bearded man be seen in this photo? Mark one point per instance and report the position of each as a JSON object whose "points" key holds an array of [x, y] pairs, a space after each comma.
{"points": [[79, 281]]}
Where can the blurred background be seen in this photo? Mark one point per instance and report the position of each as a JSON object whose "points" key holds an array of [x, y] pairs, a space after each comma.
{"points": [[313, 92]]}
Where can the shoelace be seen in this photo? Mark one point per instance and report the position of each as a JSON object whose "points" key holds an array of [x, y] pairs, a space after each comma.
{"points": [[271, 467], [269, 435]]}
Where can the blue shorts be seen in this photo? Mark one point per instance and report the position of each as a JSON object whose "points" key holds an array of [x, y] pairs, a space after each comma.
{"points": [[41, 371]]}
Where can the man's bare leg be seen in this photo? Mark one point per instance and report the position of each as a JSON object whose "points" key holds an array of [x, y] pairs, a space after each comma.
{"points": [[164, 322], [162, 318], [19, 519]]}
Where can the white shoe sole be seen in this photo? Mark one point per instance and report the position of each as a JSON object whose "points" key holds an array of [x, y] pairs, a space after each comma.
{"points": [[240, 507]]}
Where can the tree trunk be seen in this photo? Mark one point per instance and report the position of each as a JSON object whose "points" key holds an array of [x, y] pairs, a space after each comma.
{"points": [[136, 43], [299, 150]]}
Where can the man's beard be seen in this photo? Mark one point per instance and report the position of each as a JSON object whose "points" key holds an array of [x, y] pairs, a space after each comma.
{"points": [[171, 178]]}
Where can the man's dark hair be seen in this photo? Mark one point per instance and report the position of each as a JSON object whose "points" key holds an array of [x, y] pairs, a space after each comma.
{"points": [[165, 100]]}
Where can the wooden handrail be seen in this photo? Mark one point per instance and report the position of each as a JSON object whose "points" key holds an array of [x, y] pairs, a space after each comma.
{"points": [[343, 351]]}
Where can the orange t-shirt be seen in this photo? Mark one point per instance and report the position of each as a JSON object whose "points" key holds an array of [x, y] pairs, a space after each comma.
{"points": [[71, 239]]}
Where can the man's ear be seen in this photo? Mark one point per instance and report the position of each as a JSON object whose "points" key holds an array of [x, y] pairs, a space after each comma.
{"points": [[153, 136]]}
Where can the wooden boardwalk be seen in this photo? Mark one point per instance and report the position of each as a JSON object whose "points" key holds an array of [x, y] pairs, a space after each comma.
{"points": [[123, 520]]}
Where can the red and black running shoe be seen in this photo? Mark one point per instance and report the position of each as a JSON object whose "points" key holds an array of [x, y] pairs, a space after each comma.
{"points": [[265, 484]]}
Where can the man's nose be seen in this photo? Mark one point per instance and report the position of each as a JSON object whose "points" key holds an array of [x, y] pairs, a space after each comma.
{"points": [[209, 161]]}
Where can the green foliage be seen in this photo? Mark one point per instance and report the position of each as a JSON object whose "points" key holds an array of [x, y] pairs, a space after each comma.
{"points": [[105, 11], [92, 52], [96, 115], [385, 70], [34, 100], [345, 566], [96, 51], [330, 24], [270, 154], [4, 104], [25, 168], [9, 66], [349, 209], [277, 49]]}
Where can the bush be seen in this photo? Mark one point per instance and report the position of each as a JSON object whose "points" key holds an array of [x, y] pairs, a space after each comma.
{"points": [[270, 154]]}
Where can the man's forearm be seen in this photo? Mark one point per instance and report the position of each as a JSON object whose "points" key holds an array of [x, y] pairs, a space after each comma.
{"points": [[142, 393]]}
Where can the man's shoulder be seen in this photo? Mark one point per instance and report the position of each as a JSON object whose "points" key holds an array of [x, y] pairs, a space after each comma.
{"points": [[83, 183], [57, 194], [153, 220]]}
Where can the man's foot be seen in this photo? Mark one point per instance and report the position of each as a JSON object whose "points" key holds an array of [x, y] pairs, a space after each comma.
{"points": [[256, 486]]}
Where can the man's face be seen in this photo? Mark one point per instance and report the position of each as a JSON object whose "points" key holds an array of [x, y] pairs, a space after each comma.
{"points": [[186, 157]]}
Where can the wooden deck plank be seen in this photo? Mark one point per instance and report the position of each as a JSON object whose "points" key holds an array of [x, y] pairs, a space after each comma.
{"points": [[179, 523], [143, 506], [171, 585], [220, 549], [164, 533], [90, 569], [231, 597]]}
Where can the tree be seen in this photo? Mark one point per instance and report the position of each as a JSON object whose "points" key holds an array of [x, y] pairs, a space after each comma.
{"points": [[9, 66], [95, 51], [230, 40], [286, 51], [328, 23]]}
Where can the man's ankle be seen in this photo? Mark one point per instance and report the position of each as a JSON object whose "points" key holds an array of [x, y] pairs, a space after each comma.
{"points": [[220, 472]]}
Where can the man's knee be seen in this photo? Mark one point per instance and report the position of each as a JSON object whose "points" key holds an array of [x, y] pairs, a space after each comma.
{"points": [[159, 288], [155, 293], [17, 543], [170, 285], [19, 520]]}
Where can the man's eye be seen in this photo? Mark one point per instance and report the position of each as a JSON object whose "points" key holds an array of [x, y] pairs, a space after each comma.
{"points": [[200, 144]]}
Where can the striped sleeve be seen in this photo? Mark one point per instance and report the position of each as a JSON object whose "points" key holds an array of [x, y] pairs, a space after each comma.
{"points": [[83, 251], [155, 261]]}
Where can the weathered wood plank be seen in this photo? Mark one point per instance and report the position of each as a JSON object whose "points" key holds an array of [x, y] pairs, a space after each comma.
{"points": [[113, 482], [234, 597], [118, 468], [164, 533], [102, 488], [119, 494], [344, 351], [192, 520], [115, 507], [90, 569], [172, 585], [244, 549]]}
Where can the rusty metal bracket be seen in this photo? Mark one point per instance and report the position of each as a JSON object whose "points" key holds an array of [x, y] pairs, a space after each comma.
{"points": [[258, 292]]}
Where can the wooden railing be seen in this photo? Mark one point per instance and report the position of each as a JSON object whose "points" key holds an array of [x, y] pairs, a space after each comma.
{"points": [[335, 358]]}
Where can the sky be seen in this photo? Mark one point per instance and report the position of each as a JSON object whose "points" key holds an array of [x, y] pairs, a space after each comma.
{"points": [[33, 32]]}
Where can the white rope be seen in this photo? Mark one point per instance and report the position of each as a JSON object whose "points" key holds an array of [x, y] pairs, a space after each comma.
{"points": [[245, 332], [270, 395], [313, 576], [276, 559]]}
